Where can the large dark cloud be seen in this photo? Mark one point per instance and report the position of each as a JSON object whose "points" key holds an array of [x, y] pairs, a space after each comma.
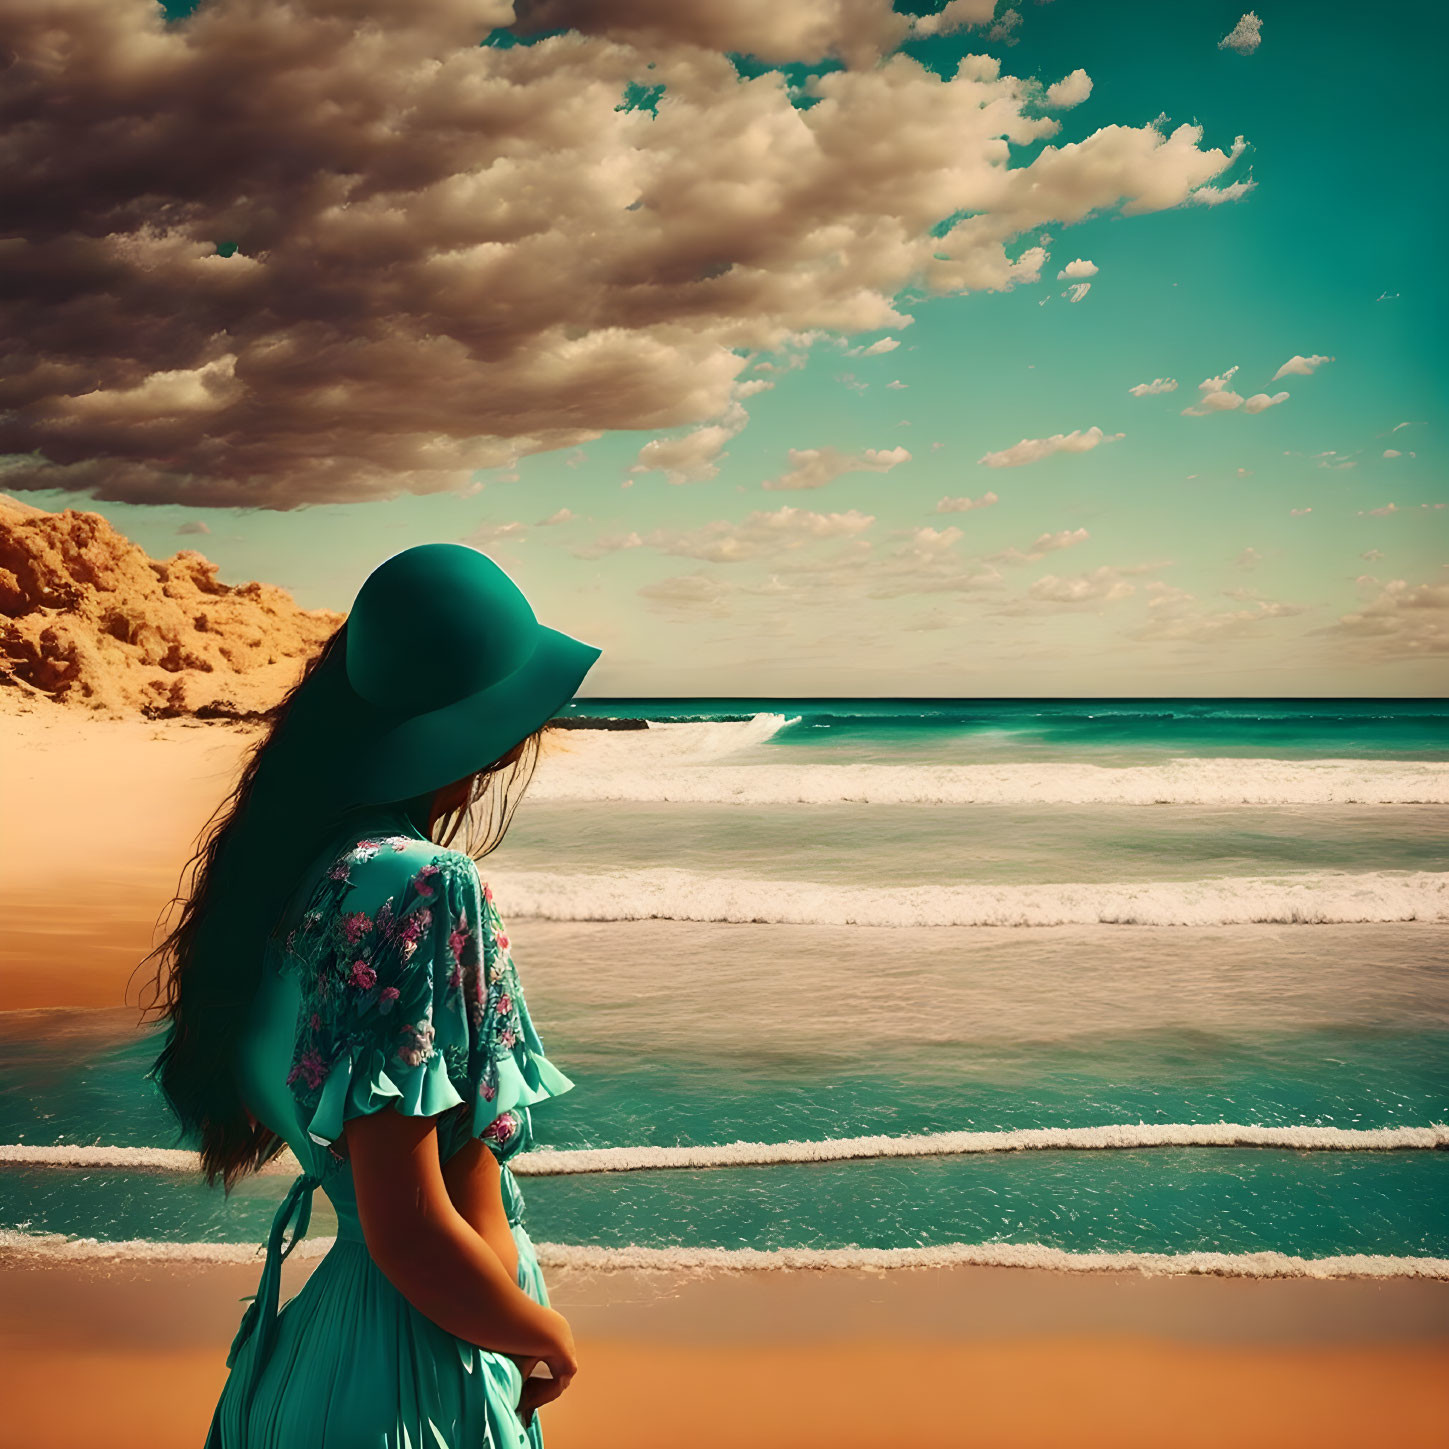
{"points": [[292, 251]]}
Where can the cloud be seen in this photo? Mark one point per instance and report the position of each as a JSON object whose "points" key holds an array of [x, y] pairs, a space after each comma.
{"points": [[1300, 366], [1248, 559], [815, 467], [1174, 614], [1070, 91], [1102, 585], [1383, 512], [761, 534], [560, 515], [1077, 291], [407, 256], [695, 457], [856, 31], [1157, 385], [1395, 453], [1045, 543], [1298, 512], [607, 543], [1402, 620], [1079, 268], [687, 593], [1372, 554], [886, 344], [1033, 450], [1245, 37], [194, 525], [1215, 396], [957, 15], [487, 534], [963, 505], [896, 385], [1219, 195]]}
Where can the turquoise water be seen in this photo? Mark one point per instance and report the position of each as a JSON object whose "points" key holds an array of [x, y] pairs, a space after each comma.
{"points": [[1077, 728], [687, 1029]]}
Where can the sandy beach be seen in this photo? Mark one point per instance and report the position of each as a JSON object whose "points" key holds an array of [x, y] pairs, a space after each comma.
{"points": [[133, 1353], [964, 1357]]}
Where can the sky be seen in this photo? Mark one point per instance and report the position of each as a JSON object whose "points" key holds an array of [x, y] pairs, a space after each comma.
{"points": [[1056, 349]]}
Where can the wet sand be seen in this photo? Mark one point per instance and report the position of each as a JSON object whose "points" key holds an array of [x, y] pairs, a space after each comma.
{"points": [[133, 1355]]}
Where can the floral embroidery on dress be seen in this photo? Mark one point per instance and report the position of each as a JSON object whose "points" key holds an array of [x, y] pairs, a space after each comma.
{"points": [[424, 981]]}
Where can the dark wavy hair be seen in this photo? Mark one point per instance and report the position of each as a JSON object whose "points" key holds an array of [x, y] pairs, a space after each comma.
{"points": [[236, 890]]}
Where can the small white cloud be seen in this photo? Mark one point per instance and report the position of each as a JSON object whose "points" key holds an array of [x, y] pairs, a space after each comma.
{"points": [[886, 344], [1079, 268], [1215, 396], [896, 385], [1372, 554], [1217, 195], [1044, 544], [815, 467], [1245, 37], [1299, 366], [1070, 91], [1249, 558], [694, 457], [607, 543], [1299, 512], [957, 15], [561, 515], [1261, 401], [964, 505], [1383, 512], [1151, 389], [1033, 450], [487, 534], [1077, 291]]}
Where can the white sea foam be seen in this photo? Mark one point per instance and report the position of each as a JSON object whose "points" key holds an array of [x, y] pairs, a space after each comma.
{"points": [[685, 742], [555, 1162], [666, 893], [55, 1247], [633, 765]]}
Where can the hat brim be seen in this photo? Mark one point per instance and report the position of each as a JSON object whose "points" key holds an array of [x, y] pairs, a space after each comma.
{"points": [[379, 760]]}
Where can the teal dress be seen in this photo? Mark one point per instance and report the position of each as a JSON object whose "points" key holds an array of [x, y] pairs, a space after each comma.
{"points": [[395, 988]]}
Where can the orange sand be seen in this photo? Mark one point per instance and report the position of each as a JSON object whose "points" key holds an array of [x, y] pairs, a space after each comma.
{"points": [[134, 1360]]}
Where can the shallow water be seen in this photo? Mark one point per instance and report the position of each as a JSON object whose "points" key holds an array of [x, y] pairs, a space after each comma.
{"points": [[683, 1023]]}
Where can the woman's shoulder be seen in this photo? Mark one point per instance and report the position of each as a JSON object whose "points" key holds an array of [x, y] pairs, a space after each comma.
{"points": [[384, 874]]}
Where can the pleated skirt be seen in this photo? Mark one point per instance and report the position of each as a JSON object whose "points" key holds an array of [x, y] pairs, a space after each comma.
{"points": [[353, 1365]]}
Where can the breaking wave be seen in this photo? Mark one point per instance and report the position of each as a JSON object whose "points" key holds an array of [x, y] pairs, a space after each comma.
{"points": [[561, 1162], [681, 895], [633, 765], [54, 1247]]}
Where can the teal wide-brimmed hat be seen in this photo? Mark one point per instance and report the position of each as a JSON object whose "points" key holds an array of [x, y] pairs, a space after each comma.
{"points": [[440, 668]]}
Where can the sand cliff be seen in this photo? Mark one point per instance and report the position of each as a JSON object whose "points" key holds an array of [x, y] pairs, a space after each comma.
{"points": [[89, 621]]}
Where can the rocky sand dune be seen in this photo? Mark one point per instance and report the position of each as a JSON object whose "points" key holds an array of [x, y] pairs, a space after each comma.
{"points": [[89, 621]]}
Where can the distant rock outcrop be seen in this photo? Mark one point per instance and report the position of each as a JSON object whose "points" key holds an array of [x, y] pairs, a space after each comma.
{"points": [[88, 620]]}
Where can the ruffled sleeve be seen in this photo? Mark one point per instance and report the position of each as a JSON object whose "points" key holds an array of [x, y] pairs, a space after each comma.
{"points": [[411, 1000]]}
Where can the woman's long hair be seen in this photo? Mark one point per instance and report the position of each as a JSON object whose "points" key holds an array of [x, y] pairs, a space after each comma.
{"points": [[249, 860]]}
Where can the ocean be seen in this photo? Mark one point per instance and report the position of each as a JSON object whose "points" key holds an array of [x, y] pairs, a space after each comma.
{"points": [[1067, 982]]}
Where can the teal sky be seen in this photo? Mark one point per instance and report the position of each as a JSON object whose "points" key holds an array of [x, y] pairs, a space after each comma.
{"points": [[1272, 522]]}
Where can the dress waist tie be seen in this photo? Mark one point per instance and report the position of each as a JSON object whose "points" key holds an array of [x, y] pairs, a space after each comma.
{"points": [[259, 1322]]}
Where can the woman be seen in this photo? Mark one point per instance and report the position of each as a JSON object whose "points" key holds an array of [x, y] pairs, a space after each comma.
{"points": [[339, 982]]}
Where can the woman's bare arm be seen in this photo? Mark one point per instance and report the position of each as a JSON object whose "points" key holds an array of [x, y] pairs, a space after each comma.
{"points": [[433, 1256], [474, 1183]]}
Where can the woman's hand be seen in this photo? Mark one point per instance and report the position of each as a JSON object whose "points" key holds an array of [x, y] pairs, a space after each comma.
{"points": [[562, 1364]]}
